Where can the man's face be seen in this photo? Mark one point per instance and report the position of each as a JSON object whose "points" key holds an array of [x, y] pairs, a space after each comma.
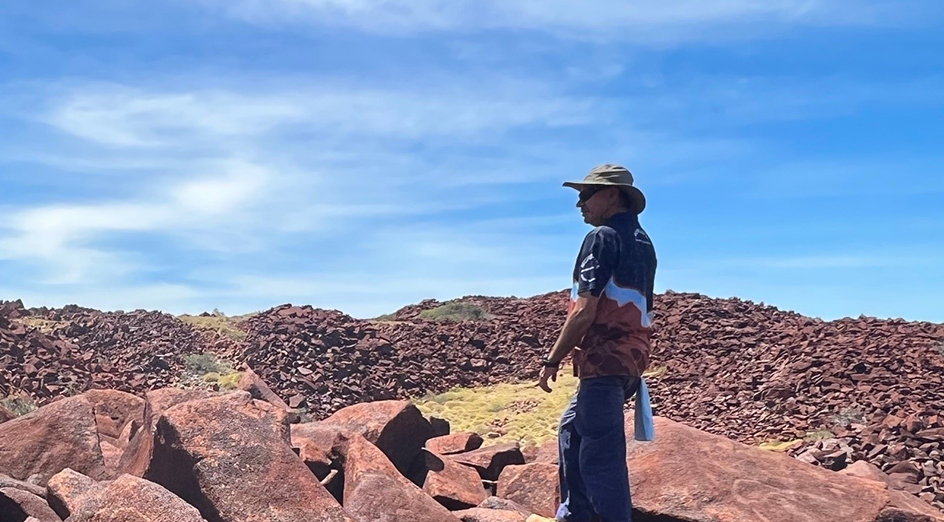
{"points": [[594, 202]]}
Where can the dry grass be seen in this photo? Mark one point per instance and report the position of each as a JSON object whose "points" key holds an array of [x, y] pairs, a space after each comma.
{"points": [[218, 323], [519, 412], [20, 404], [455, 311], [46, 326]]}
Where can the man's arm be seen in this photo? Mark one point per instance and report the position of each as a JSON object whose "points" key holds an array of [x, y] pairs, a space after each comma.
{"points": [[575, 328]]}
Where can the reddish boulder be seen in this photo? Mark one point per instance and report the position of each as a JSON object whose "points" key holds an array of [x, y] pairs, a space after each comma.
{"points": [[7, 481], [50, 439], [491, 460], [373, 488], [454, 443], [252, 383], [69, 491], [132, 499], [113, 410], [19, 504], [534, 486], [139, 451], [503, 504], [548, 453], [489, 515], [687, 474], [451, 484], [396, 427], [439, 426], [229, 456]]}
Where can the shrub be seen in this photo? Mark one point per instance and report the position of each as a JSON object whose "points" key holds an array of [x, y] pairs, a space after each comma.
{"points": [[456, 311], [20, 404], [204, 363]]}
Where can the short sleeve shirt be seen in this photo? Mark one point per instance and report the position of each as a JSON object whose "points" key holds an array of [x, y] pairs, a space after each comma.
{"points": [[616, 263]]}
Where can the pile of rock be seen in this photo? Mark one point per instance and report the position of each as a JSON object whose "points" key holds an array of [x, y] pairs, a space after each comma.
{"points": [[192, 456]]}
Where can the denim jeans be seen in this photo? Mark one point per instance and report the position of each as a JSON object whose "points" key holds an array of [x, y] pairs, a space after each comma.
{"points": [[594, 479]]}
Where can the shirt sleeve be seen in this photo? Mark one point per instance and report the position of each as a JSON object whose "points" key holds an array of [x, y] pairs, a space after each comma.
{"points": [[597, 261]]}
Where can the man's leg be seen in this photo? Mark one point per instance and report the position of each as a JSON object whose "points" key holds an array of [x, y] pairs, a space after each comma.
{"points": [[575, 506], [599, 424]]}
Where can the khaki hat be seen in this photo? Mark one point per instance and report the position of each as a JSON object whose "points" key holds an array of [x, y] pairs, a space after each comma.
{"points": [[616, 176]]}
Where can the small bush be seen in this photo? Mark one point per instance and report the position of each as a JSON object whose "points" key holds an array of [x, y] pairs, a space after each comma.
{"points": [[385, 317], [456, 311], [940, 348], [229, 381], [849, 416], [19, 404], [204, 363]]}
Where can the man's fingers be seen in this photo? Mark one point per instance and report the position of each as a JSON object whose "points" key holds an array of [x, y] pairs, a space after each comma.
{"points": [[554, 376]]}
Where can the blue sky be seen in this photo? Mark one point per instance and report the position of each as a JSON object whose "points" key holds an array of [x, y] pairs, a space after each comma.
{"points": [[188, 155]]}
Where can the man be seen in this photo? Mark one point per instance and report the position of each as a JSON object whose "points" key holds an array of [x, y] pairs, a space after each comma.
{"points": [[610, 320]]}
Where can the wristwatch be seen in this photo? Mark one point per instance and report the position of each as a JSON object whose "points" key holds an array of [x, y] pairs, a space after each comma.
{"points": [[547, 363]]}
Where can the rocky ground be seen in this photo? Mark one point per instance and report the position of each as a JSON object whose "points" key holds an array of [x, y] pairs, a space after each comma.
{"points": [[833, 392]]}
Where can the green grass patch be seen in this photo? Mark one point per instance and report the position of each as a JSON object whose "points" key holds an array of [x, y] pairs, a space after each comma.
{"points": [[218, 323], [226, 382], [204, 363], [519, 412], [456, 311], [19, 404]]}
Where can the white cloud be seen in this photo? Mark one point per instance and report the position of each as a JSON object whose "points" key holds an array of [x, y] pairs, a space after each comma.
{"points": [[650, 21]]}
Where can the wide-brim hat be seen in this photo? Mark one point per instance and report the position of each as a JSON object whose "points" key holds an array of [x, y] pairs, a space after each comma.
{"points": [[613, 176]]}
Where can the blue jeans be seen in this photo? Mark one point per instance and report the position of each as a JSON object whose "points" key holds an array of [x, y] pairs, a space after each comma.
{"points": [[594, 479]]}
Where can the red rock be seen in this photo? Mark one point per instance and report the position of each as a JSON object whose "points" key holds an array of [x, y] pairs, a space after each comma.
{"points": [[491, 460], [503, 504], [111, 454], [69, 492], [229, 456], [547, 453], [256, 387], [132, 499], [534, 486], [113, 410], [440, 427], [373, 488], [737, 482], [50, 439], [863, 469], [17, 503], [140, 449], [454, 443], [7, 481], [489, 515], [451, 484], [396, 427], [933, 434]]}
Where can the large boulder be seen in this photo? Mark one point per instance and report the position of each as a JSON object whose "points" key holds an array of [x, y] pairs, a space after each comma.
{"points": [[131, 499], [139, 450], [250, 382], [692, 476], [60, 435], [113, 411], [451, 484], [230, 457], [535, 486], [373, 488], [491, 460], [7, 481], [454, 443], [396, 427], [70, 491], [17, 504]]}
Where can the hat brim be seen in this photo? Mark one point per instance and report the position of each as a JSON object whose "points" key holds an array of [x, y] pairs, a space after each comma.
{"points": [[635, 195]]}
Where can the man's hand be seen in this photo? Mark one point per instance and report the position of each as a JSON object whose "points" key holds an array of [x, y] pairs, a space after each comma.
{"points": [[547, 372]]}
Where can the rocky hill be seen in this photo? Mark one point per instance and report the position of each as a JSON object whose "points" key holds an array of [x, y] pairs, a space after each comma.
{"points": [[829, 392]]}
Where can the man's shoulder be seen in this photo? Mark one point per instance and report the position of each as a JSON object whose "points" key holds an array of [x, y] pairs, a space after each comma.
{"points": [[602, 231]]}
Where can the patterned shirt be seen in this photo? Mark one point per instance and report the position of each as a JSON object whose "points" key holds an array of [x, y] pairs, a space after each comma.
{"points": [[617, 263]]}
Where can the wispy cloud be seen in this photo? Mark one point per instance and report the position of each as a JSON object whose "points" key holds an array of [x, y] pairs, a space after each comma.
{"points": [[647, 21]]}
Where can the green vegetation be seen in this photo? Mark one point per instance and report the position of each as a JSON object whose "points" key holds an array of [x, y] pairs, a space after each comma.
{"points": [[848, 416], [385, 318], [455, 311], [206, 370], [218, 323], [518, 412], [19, 404]]}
